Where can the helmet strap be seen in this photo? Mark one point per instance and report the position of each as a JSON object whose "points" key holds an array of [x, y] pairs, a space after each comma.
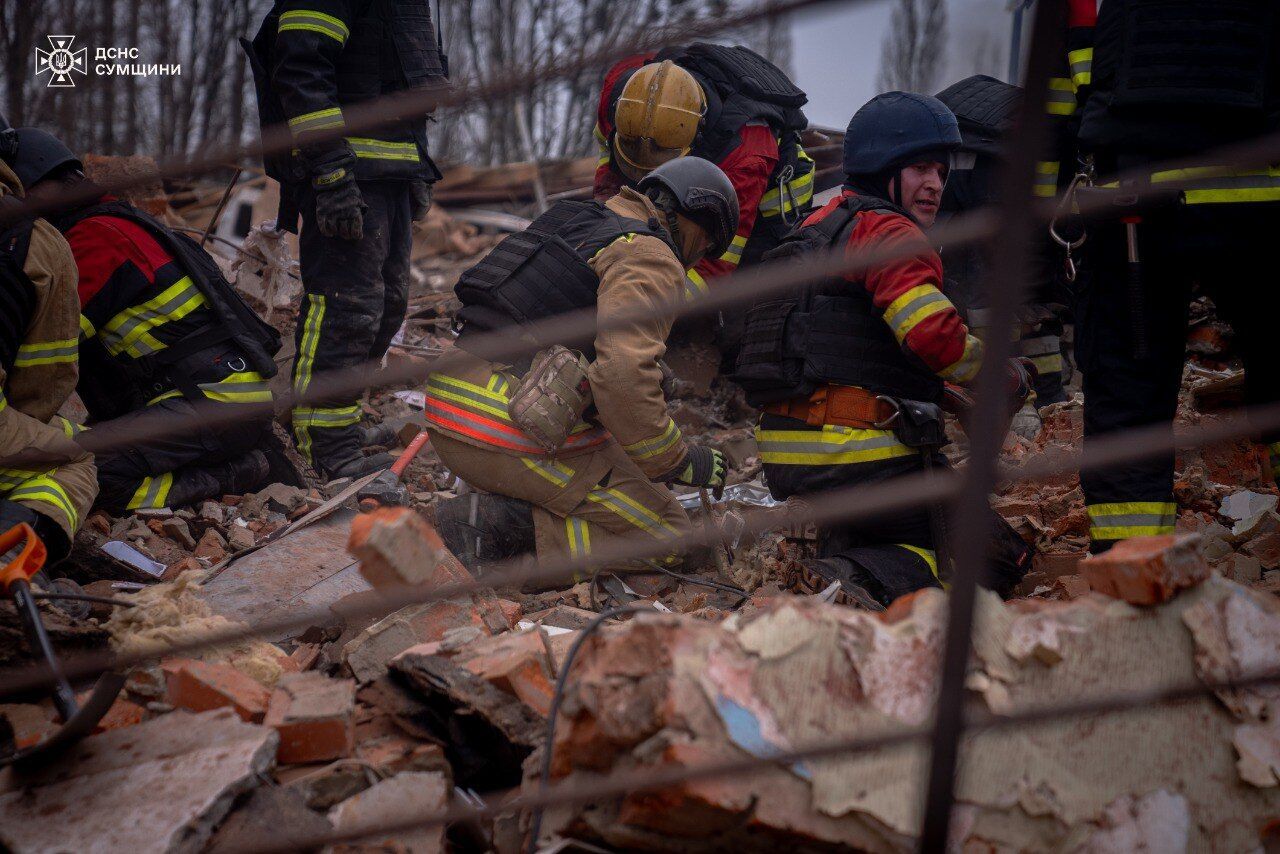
{"points": [[664, 201]]}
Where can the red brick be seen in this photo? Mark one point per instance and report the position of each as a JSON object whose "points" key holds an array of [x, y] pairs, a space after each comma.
{"points": [[1070, 586], [315, 716], [515, 663], [200, 686], [121, 714], [396, 546], [1147, 570]]}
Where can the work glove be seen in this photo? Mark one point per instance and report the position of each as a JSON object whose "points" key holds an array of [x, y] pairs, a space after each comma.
{"points": [[704, 468], [55, 540], [419, 200], [1022, 381], [339, 206]]}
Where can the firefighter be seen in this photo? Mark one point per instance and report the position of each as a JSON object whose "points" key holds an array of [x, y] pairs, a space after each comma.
{"points": [[850, 371], [358, 194], [46, 479], [571, 487], [984, 109], [725, 104], [160, 331], [1173, 81]]}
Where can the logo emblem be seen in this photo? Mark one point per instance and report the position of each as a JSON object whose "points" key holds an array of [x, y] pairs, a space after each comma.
{"points": [[61, 60]]}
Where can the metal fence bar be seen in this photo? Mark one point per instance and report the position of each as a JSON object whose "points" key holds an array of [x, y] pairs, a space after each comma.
{"points": [[972, 516]]}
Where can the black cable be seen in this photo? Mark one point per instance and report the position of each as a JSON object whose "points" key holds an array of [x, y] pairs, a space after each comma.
{"points": [[715, 585], [85, 597], [561, 679]]}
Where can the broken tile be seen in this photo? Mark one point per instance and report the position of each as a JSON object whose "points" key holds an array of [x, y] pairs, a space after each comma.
{"points": [[159, 786], [396, 546]]}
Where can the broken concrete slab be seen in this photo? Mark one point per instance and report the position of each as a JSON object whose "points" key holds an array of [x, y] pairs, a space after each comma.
{"points": [[160, 786], [275, 813], [395, 799], [670, 692]]}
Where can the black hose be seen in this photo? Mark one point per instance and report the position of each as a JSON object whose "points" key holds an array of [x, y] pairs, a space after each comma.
{"points": [[561, 679], [715, 585]]}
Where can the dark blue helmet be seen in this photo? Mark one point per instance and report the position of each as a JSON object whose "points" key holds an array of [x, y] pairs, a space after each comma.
{"points": [[40, 154], [894, 129]]}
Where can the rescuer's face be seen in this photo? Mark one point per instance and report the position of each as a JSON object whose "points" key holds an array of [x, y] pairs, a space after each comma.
{"points": [[922, 185]]}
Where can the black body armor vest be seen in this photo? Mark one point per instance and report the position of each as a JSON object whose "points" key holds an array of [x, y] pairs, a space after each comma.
{"points": [[831, 333]]}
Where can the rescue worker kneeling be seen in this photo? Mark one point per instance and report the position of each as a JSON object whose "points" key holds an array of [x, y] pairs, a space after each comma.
{"points": [[850, 371], [552, 479], [160, 331]]}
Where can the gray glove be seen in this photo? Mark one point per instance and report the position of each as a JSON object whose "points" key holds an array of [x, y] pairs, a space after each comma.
{"points": [[339, 205], [419, 200]]}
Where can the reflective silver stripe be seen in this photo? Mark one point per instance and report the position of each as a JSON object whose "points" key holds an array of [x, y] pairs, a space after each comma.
{"points": [[902, 315], [379, 150], [1042, 346], [46, 352], [315, 22], [836, 444]]}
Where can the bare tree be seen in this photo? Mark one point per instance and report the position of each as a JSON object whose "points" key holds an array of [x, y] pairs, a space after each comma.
{"points": [[915, 47]]}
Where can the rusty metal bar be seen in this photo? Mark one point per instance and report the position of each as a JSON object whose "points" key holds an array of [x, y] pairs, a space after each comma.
{"points": [[971, 516]]}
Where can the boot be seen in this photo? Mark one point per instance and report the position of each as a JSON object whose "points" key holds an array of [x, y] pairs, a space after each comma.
{"points": [[378, 435], [481, 527], [858, 588], [242, 474], [357, 466]]}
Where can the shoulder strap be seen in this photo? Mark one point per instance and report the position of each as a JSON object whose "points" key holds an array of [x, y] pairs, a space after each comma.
{"points": [[17, 292]]}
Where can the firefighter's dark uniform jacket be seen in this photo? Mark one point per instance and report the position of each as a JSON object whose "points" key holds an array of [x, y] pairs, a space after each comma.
{"points": [[40, 466], [1171, 80], [751, 131], [889, 330], [614, 256], [314, 57], [160, 326]]}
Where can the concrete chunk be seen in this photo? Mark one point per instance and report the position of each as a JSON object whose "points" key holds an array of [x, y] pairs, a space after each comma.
{"points": [[404, 795], [160, 786]]}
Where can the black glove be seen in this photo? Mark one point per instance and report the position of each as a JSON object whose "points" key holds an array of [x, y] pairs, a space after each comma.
{"points": [[1022, 381], [339, 206], [419, 200], [704, 468], [50, 532]]}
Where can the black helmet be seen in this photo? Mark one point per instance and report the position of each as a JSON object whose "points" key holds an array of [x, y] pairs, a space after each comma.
{"points": [[895, 128], [8, 140], [702, 193], [39, 154]]}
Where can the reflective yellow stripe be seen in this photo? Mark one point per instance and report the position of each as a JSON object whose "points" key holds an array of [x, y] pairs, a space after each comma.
{"points": [[48, 490], [70, 429], [319, 120], [312, 21], [656, 446], [629, 237], [1218, 185], [13, 478], [552, 470], [733, 254], [928, 555], [798, 191], [1048, 364], [4, 404], [152, 492], [913, 306], [338, 416], [632, 511], [832, 445], [469, 396], [377, 149], [1081, 62], [604, 146], [1062, 97], [47, 353], [1046, 183], [86, 327], [965, 368], [130, 330], [242, 387], [579, 533], [694, 285], [310, 340], [1123, 519]]}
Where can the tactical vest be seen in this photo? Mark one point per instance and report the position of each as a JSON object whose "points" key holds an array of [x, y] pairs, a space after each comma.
{"points": [[112, 385], [18, 297], [544, 271], [830, 333], [393, 46], [1181, 76]]}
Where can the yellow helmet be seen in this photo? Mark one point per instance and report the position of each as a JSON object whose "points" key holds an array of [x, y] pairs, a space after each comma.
{"points": [[656, 117]]}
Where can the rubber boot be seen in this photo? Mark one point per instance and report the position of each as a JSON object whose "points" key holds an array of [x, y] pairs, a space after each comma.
{"points": [[858, 588], [378, 435], [481, 527], [242, 474], [359, 466]]}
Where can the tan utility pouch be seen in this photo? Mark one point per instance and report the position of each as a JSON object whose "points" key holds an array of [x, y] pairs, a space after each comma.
{"points": [[551, 397]]}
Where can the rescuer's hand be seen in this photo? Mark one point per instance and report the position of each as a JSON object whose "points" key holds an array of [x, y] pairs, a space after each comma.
{"points": [[339, 206], [1022, 381], [704, 468], [419, 200]]}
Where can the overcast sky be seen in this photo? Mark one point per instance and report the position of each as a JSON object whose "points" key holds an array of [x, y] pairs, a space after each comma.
{"points": [[836, 51]]}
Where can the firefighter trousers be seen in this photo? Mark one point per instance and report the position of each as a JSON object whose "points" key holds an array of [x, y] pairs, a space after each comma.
{"points": [[900, 550], [580, 504], [355, 295], [179, 469], [1219, 247]]}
